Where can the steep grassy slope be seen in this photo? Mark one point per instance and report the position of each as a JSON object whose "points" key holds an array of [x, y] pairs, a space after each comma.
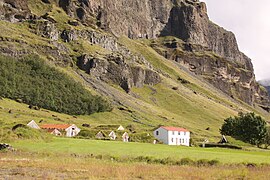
{"points": [[195, 105]]}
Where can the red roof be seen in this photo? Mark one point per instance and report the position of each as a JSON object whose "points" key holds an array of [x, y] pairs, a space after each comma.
{"points": [[174, 129], [55, 126]]}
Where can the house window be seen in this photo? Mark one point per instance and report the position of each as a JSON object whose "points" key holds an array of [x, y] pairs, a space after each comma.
{"points": [[173, 133], [183, 141], [157, 133], [184, 133], [172, 139], [179, 133]]}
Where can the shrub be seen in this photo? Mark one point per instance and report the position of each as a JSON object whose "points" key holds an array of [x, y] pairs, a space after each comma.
{"points": [[186, 161], [246, 127], [213, 162], [202, 162]]}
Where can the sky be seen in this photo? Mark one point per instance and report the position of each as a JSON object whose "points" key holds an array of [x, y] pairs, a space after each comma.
{"points": [[249, 20]]}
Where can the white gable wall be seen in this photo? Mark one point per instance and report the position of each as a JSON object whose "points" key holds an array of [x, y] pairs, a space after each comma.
{"points": [[178, 138], [73, 130], [33, 124]]}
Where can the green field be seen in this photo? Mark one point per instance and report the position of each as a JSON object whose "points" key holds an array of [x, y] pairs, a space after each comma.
{"points": [[132, 150]]}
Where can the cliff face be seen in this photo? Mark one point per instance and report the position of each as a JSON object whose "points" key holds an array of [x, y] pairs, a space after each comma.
{"points": [[205, 48], [185, 19]]}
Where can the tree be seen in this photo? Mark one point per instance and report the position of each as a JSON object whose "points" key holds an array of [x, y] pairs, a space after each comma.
{"points": [[267, 138], [246, 127]]}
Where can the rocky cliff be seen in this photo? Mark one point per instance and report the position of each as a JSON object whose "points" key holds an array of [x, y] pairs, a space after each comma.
{"points": [[199, 45], [185, 19]]}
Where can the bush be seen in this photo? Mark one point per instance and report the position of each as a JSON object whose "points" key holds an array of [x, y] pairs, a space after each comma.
{"points": [[35, 83], [246, 127], [213, 162], [267, 138], [186, 161], [202, 162]]}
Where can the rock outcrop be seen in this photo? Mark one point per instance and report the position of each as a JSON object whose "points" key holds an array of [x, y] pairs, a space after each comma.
{"points": [[230, 77], [116, 69], [14, 10]]}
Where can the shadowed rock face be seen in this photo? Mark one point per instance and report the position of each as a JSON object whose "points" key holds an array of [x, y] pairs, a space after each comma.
{"points": [[115, 69], [14, 10]]}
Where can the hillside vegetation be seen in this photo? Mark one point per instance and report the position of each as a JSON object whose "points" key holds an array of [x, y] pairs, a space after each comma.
{"points": [[32, 81]]}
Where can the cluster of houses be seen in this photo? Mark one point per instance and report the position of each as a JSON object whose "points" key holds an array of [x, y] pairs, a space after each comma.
{"points": [[166, 135], [71, 130]]}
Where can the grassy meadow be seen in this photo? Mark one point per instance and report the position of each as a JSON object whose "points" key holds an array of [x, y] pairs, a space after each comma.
{"points": [[38, 166], [64, 158], [133, 150]]}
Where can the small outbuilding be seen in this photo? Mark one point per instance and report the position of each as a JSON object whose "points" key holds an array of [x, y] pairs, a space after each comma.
{"points": [[100, 135], [223, 140], [120, 128], [33, 124], [112, 135], [55, 132], [125, 137]]}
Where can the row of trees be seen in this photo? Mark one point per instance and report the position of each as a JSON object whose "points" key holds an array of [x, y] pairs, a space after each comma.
{"points": [[247, 127], [34, 82]]}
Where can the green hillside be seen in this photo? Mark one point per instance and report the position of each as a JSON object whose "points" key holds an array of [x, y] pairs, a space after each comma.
{"points": [[181, 99]]}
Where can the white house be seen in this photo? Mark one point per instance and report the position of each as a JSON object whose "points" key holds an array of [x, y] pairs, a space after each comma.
{"points": [[33, 124], [70, 130], [172, 135]]}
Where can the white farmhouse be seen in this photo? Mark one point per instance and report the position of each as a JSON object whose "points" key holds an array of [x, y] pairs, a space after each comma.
{"points": [[172, 135]]}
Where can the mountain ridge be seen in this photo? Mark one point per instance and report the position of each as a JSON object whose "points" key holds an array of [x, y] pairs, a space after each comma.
{"points": [[184, 19]]}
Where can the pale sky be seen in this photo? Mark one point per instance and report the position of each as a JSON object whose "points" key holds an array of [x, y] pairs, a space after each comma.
{"points": [[249, 20]]}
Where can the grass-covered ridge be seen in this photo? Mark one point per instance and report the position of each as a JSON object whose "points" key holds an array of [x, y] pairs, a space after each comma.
{"points": [[34, 82]]}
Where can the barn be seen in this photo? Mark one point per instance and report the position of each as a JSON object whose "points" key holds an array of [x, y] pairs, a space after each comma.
{"points": [[172, 135]]}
